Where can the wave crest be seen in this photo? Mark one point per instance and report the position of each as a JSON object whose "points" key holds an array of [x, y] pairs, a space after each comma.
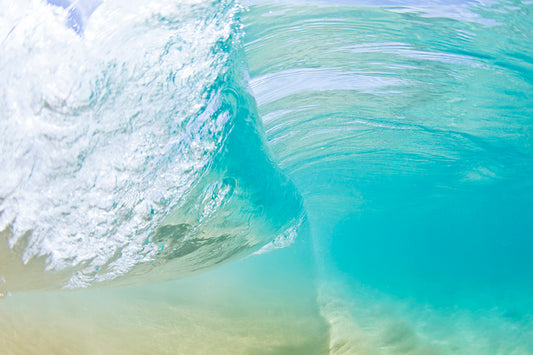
{"points": [[114, 143]]}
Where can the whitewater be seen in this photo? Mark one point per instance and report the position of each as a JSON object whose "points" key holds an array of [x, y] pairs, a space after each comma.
{"points": [[265, 176]]}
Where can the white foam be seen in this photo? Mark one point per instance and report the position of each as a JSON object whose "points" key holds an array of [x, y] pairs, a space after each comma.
{"points": [[102, 135], [283, 240]]}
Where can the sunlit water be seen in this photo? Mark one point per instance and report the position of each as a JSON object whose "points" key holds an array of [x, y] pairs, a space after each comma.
{"points": [[386, 145]]}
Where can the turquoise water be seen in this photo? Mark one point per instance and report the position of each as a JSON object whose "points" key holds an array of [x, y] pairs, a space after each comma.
{"points": [[407, 130], [384, 147]]}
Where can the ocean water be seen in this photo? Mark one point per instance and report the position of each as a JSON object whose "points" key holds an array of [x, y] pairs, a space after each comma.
{"points": [[266, 176]]}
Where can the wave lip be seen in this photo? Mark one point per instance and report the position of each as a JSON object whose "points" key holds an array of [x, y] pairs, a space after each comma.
{"points": [[118, 145]]}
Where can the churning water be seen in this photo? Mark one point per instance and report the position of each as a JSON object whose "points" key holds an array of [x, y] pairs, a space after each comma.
{"points": [[387, 146]]}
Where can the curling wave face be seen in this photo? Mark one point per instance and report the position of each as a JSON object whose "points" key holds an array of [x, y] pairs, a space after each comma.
{"points": [[123, 144]]}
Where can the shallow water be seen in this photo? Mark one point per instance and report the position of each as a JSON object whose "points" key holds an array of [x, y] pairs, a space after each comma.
{"points": [[365, 165], [224, 311]]}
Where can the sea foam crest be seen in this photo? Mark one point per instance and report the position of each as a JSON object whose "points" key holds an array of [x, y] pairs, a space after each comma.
{"points": [[103, 134]]}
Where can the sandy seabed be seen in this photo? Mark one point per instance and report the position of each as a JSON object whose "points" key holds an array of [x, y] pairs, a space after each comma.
{"points": [[235, 309]]}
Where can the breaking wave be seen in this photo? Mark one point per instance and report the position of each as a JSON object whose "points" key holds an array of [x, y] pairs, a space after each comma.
{"points": [[129, 143]]}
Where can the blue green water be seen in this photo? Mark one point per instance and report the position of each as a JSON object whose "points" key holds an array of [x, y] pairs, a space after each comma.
{"points": [[407, 130], [371, 161]]}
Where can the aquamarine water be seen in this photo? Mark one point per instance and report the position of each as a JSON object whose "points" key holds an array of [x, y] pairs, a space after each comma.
{"points": [[368, 163]]}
